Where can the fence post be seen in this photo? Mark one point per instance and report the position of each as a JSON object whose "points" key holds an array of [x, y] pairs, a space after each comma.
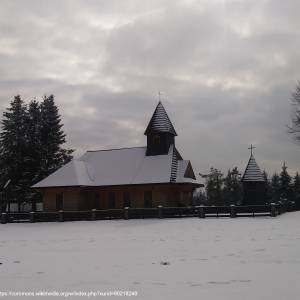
{"points": [[61, 216], [273, 210], [3, 218], [278, 208], [93, 214], [160, 211], [232, 211], [126, 213], [201, 212], [31, 214]]}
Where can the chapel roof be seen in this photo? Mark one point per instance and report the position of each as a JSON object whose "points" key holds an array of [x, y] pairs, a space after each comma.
{"points": [[252, 172], [126, 166], [160, 122]]}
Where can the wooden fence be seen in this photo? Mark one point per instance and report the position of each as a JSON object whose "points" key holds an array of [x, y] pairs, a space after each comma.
{"points": [[231, 211]]}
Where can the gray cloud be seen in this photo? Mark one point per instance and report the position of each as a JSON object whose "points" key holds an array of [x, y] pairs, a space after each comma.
{"points": [[226, 69]]}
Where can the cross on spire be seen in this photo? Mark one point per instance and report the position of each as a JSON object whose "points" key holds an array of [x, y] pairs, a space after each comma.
{"points": [[159, 95], [251, 148]]}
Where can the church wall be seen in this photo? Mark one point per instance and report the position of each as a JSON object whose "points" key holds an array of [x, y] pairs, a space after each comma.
{"points": [[75, 198], [71, 198], [254, 193]]}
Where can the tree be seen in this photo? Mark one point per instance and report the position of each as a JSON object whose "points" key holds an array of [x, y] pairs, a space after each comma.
{"points": [[268, 187], [33, 150], [30, 147], [296, 190], [232, 191], [199, 197], [285, 184], [13, 149], [214, 183], [294, 129], [53, 156], [275, 188]]}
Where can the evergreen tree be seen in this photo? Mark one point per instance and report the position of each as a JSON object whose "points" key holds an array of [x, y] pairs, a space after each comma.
{"points": [[30, 148], [232, 191], [268, 187], [33, 150], [275, 188], [285, 184], [296, 190], [13, 150], [53, 156], [199, 197], [202, 197], [214, 187]]}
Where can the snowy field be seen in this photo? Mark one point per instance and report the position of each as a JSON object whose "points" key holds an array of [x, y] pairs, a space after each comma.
{"points": [[242, 258]]}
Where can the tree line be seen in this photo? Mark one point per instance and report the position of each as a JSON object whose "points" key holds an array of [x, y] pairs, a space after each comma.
{"points": [[31, 140], [227, 190]]}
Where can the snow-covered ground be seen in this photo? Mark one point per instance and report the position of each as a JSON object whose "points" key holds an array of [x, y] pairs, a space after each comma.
{"points": [[242, 258]]}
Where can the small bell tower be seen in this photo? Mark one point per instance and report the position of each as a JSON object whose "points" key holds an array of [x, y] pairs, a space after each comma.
{"points": [[160, 132], [253, 183]]}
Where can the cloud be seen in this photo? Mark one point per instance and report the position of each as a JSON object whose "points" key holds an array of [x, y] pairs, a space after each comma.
{"points": [[226, 69]]}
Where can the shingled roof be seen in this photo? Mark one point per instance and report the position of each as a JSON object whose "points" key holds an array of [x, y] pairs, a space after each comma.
{"points": [[121, 167], [160, 121], [253, 172]]}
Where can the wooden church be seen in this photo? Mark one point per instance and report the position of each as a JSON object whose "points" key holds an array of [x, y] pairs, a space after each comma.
{"points": [[253, 183], [129, 177]]}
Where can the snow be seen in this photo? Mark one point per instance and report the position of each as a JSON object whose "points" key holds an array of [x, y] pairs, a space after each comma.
{"points": [[114, 167], [191, 258]]}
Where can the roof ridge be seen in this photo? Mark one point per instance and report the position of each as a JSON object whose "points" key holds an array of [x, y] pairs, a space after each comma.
{"points": [[116, 149]]}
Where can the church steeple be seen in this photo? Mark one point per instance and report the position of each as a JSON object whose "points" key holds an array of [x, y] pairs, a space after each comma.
{"points": [[253, 183], [252, 172], [160, 132]]}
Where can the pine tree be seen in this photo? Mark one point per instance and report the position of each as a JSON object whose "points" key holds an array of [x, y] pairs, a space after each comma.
{"points": [[296, 190], [268, 187], [13, 149], [214, 187], [285, 184], [33, 150], [275, 188], [53, 155], [232, 191], [30, 148]]}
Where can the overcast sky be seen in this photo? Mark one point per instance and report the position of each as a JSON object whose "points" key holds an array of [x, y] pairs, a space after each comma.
{"points": [[226, 69]]}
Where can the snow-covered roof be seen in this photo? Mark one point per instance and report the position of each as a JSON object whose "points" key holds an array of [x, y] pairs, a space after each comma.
{"points": [[253, 172], [185, 172], [120, 167], [160, 121]]}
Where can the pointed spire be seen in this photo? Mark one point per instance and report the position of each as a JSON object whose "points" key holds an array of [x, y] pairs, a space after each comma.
{"points": [[252, 172], [160, 121]]}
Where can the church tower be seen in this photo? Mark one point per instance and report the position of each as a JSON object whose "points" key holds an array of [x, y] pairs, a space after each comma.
{"points": [[253, 183], [160, 132]]}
